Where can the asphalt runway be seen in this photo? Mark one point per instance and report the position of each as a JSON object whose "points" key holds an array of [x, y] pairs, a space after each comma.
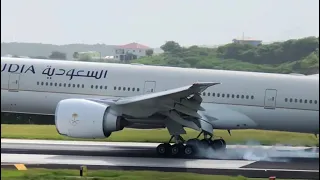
{"points": [[249, 161]]}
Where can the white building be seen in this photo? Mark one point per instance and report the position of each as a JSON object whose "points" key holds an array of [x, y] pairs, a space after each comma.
{"points": [[251, 41], [130, 51]]}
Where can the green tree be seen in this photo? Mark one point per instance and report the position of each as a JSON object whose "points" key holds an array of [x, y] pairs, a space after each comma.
{"points": [[58, 55], [75, 55], [149, 52], [171, 47], [85, 57]]}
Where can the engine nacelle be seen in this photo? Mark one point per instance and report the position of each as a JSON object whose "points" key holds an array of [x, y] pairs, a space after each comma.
{"points": [[82, 118]]}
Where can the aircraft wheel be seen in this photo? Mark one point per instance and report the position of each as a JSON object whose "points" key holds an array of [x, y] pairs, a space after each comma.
{"points": [[164, 149], [189, 151], [218, 145], [205, 143], [177, 150]]}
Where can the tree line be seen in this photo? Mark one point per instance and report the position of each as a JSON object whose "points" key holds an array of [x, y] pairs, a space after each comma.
{"points": [[292, 56]]}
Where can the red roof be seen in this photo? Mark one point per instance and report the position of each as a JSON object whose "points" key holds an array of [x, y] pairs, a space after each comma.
{"points": [[134, 46]]}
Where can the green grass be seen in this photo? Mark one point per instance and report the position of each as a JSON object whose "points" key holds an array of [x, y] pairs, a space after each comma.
{"points": [[161, 135], [46, 174]]}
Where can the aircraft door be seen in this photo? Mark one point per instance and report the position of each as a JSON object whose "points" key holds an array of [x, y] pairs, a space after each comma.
{"points": [[270, 99], [13, 84], [149, 87]]}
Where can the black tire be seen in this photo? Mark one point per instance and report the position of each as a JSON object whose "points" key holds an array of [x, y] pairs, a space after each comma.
{"points": [[189, 151], [205, 143], [218, 145], [177, 150], [194, 143], [164, 149]]}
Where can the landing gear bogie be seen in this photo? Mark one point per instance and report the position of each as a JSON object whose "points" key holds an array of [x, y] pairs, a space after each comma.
{"points": [[189, 148], [175, 150]]}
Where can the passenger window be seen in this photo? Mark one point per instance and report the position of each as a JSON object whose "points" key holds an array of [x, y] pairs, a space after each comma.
{"points": [[247, 97], [300, 101], [38, 83], [310, 101], [51, 84], [97, 86], [232, 96], [124, 88], [42, 83], [105, 87], [128, 88], [55, 84], [138, 89], [218, 95], [60, 84], [69, 85], [222, 95], [101, 87], [204, 94], [82, 85], [252, 97], [238, 96], [242, 96], [228, 95], [78, 85], [119, 88], [315, 101], [305, 101], [290, 99], [115, 88], [209, 94], [286, 99], [213, 94]]}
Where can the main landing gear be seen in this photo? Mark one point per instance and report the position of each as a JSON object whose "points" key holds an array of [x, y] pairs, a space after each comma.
{"points": [[189, 148]]}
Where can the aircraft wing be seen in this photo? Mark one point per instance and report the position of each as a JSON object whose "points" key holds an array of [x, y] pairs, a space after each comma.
{"points": [[178, 93], [176, 103]]}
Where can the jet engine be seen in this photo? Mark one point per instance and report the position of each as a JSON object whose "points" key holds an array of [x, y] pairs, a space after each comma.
{"points": [[81, 118]]}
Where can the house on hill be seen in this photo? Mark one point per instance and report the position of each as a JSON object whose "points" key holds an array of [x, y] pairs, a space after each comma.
{"points": [[251, 41], [130, 51]]}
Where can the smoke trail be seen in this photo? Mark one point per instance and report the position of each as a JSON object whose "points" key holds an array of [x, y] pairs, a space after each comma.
{"points": [[254, 151]]}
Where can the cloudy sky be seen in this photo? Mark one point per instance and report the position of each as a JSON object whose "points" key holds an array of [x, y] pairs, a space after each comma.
{"points": [[151, 22]]}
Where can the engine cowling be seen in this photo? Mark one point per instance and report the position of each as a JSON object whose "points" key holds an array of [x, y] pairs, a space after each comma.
{"points": [[81, 118]]}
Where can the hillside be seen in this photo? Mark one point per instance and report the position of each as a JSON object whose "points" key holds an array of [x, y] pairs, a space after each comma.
{"points": [[292, 56], [38, 49]]}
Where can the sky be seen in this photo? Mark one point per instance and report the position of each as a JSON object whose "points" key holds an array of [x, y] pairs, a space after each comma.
{"points": [[152, 23]]}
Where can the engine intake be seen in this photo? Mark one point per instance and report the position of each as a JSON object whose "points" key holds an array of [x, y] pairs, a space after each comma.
{"points": [[81, 118]]}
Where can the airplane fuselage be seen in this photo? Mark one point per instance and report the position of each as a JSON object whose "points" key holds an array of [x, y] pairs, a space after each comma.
{"points": [[271, 101]]}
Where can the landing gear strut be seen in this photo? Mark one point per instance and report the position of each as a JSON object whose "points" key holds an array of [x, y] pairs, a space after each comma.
{"points": [[190, 147]]}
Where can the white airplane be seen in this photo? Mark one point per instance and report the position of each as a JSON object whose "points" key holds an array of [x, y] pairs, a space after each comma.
{"points": [[92, 100]]}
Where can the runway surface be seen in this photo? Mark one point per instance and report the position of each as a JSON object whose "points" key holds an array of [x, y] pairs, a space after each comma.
{"points": [[249, 161]]}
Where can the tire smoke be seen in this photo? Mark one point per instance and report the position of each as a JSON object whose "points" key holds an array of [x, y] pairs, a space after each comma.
{"points": [[254, 151]]}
